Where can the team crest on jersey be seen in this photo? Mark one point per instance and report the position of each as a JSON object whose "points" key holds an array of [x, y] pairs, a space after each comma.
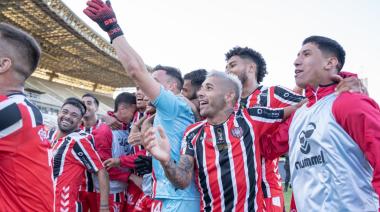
{"points": [[42, 133], [237, 132]]}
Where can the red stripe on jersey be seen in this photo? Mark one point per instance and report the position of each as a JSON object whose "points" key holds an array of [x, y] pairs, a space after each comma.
{"points": [[227, 184], [238, 156], [211, 171]]}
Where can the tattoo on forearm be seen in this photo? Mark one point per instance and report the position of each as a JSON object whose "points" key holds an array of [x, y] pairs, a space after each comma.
{"points": [[180, 175]]}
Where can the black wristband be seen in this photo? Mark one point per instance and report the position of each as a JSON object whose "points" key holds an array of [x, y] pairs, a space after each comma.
{"points": [[115, 32]]}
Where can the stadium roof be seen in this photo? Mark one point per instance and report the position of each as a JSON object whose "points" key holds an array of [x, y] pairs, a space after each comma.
{"points": [[69, 46]]}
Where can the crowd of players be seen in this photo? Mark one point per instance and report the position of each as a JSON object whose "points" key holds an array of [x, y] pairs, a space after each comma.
{"points": [[209, 141]]}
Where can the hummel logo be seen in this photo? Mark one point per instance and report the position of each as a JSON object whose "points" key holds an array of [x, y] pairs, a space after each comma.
{"points": [[64, 203], [65, 196], [66, 189], [304, 136], [65, 199]]}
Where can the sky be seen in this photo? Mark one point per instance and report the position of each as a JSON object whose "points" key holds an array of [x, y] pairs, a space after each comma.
{"points": [[196, 34]]}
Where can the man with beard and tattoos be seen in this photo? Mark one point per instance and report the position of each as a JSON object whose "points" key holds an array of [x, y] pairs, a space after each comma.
{"points": [[221, 151]]}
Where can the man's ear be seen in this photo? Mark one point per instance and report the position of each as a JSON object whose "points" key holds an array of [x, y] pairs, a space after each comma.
{"points": [[5, 64], [252, 67], [173, 85], [230, 97], [332, 63]]}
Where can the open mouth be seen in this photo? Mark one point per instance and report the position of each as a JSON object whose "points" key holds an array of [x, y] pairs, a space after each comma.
{"points": [[297, 72], [66, 123], [203, 103]]}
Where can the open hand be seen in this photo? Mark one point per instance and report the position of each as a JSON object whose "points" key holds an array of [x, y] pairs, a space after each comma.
{"points": [[158, 146]]}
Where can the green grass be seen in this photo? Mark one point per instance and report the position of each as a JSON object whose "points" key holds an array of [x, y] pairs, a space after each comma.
{"points": [[287, 198]]}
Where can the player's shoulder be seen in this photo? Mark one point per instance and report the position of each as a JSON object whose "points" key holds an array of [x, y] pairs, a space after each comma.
{"points": [[102, 128], [15, 109], [353, 101], [80, 136], [9, 109], [32, 110], [195, 127], [280, 89], [285, 94]]}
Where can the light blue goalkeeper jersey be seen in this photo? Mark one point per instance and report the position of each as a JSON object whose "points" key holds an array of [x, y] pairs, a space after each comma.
{"points": [[174, 115]]}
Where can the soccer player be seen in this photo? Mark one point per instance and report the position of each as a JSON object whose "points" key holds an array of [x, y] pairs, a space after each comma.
{"points": [[140, 104], [333, 139], [73, 153], [137, 200], [26, 180], [137, 159], [90, 122], [220, 151], [113, 143], [250, 67], [192, 82], [173, 111]]}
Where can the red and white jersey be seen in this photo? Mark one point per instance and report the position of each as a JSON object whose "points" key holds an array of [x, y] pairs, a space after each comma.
{"points": [[88, 183], [228, 159], [72, 155], [273, 97], [26, 180]]}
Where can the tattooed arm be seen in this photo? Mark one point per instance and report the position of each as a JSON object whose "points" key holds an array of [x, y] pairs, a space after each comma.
{"points": [[179, 175]]}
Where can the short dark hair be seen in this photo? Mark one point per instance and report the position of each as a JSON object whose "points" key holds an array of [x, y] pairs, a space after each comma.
{"points": [[329, 46], [26, 47], [126, 98], [173, 73], [254, 56], [93, 97], [196, 77], [76, 103]]}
